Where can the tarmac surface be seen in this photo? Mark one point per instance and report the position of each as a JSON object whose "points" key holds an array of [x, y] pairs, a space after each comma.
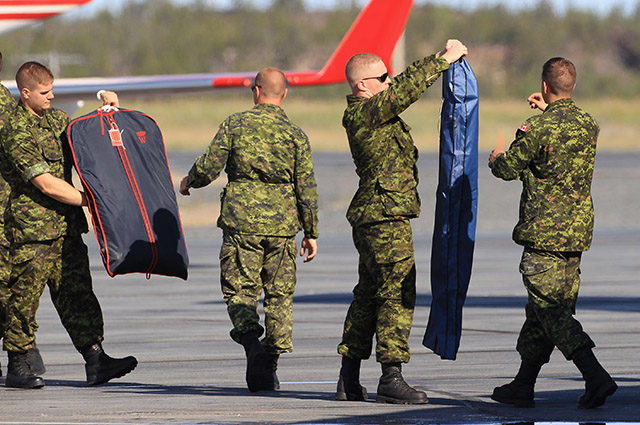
{"points": [[190, 371]]}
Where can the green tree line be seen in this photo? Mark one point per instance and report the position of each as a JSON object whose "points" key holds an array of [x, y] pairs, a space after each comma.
{"points": [[507, 48]]}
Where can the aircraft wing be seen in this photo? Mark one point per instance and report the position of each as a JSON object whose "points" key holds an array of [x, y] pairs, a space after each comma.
{"points": [[376, 30], [18, 13]]}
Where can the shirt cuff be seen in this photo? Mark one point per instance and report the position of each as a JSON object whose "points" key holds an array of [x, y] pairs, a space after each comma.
{"points": [[36, 170]]}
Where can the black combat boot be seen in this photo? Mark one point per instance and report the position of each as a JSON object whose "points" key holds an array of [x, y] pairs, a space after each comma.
{"points": [[101, 368], [259, 374], [598, 383], [519, 392], [273, 361], [349, 387], [36, 364], [19, 375], [393, 389]]}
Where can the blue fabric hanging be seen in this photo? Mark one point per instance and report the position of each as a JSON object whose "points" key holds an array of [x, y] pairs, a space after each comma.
{"points": [[456, 210]]}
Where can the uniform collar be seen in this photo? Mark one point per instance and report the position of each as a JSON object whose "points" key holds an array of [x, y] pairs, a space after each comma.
{"points": [[33, 118], [352, 98], [270, 107], [560, 103]]}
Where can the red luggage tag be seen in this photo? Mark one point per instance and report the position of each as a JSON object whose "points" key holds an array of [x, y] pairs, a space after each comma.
{"points": [[114, 135]]}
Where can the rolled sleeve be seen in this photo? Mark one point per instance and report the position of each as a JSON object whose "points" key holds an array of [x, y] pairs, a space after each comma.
{"points": [[34, 171]]}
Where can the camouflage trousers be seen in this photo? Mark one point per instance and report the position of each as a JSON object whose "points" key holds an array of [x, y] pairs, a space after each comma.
{"points": [[5, 292], [249, 265], [385, 296], [63, 266], [5, 272], [552, 280]]}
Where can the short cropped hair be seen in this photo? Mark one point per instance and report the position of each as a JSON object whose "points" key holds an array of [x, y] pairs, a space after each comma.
{"points": [[560, 75], [358, 65], [30, 74]]}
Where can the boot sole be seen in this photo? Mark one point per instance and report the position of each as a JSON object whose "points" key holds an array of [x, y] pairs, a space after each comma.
{"points": [[391, 400], [343, 396], [600, 397], [514, 403], [118, 374]]}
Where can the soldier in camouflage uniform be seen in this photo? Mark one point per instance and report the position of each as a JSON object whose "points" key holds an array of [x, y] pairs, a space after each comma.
{"points": [[45, 221], [7, 105], [271, 194], [553, 155], [387, 198]]}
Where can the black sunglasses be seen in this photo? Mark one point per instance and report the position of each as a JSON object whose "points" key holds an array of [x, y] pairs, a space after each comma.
{"points": [[253, 87], [382, 78]]}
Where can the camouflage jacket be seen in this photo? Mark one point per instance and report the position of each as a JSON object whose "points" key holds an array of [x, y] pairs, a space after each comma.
{"points": [[33, 146], [271, 189], [382, 148], [7, 105], [553, 154]]}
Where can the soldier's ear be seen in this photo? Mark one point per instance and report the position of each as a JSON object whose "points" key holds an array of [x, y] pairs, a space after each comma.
{"points": [[362, 86], [545, 87], [25, 92]]}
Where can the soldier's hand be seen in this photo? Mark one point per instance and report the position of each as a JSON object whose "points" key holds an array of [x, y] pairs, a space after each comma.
{"points": [[184, 189], [493, 155], [310, 246], [453, 50], [537, 101], [109, 98]]}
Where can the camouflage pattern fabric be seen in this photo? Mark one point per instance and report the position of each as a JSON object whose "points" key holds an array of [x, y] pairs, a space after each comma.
{"points": [[63, 265], [250, 264], [553, 154], [382, 148], [272, 187], [552, 280], [5, 273], [384, 298], [46, 246], [387, 196], [7, 105], [33, 146], [271, 194]]}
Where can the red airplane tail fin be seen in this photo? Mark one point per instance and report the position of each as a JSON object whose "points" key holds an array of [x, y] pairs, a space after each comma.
{"points": [[376, 30], [19, 13]]}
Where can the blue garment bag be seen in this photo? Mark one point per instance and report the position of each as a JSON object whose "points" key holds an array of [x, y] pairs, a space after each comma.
{"points": [[456, 210]]}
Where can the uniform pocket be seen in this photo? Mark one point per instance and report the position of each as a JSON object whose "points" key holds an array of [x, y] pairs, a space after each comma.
{"points": [[397, 199], [533, 263], [23, 254], [51, 150], [543, 279]]}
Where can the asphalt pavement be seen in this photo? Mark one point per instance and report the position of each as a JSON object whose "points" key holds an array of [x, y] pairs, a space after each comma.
{"points": [[190, 371]]}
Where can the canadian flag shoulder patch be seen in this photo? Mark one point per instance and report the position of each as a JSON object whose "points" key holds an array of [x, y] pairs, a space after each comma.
{"points": [[524, 127]]}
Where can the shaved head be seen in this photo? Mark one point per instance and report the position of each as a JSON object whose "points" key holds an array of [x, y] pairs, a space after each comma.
{"points": [[359, 67], [272, 83]]}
